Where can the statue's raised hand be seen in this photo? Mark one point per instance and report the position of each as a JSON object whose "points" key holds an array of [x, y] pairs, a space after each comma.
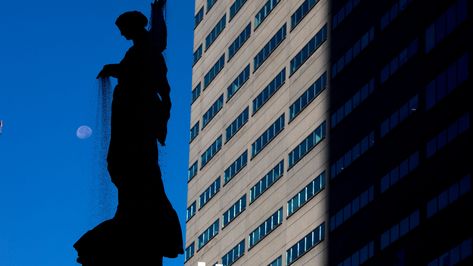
{"points": [[109, 70]]}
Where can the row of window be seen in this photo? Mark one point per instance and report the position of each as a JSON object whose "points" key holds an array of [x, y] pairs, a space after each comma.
{"points": [[195, 131], [446, 82], [210, 4], [269, 90], [198, 17], [208, 235], [308, 96], [447, 135], [448, 196], [353, 52], [234, 254], [309, 49], [235, 7], [268, 135], [267, 181], [360, 256], [344, 11], [214, 71], [212, 111], [351, 104], [350, 156], [393, 12], [197, 55], [193, 170], [240, 80], [196, 92], [455, 255], [352, 208], [215, 32], [236, 167], [398, 116], [239, 41], [400, 229], [264, 12], [237, 124], [399, 60], [307, 145], [305, 244], [399, 172], [301, 12], [233, 212], [215, 147], [189, 252], [269, 48], [209, 193], [265, 228], [276, 262], [445, 24], [306, 194], [191, 210]]}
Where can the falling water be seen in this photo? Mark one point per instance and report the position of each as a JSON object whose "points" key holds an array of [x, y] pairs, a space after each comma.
{"points": [[105, 188]]}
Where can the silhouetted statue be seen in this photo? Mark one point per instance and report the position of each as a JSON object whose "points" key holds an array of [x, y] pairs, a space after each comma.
{"points": [[145, 226]]}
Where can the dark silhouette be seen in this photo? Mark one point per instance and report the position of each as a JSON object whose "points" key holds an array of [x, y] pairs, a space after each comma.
{"points": [[145, 226]]}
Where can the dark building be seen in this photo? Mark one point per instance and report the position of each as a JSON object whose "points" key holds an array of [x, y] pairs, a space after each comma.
{"points": [[400, 134]]}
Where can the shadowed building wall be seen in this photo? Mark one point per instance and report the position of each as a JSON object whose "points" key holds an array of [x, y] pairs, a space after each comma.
{"points": [[259, 155]]}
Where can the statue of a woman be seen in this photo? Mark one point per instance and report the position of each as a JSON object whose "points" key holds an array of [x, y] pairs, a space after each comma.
{"points": [[145, 226]]}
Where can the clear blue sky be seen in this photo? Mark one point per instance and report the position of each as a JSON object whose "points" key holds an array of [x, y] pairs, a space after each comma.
{"points": [[50, 53]]}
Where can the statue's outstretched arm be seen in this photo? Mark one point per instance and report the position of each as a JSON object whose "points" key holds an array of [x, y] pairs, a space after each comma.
{"points": [[110, 70], [158, 25]]}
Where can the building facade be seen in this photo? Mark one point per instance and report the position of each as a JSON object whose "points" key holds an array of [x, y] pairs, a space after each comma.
{"points": [[330, 133]]}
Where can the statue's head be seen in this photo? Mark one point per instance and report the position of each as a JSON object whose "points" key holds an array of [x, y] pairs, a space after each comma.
{"points": [[131, 24]]}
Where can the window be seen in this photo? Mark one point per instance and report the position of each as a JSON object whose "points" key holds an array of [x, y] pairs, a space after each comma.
{"points": [[455, 255], [301, 12], [195, 93], [267, 136], [233, 255], [191, 210], [239, 41], [264, 12], [305, 244], [393, 12], [447, 135], [198, 17], [306, 194], [197, 54], [237, 124], [212, 111], [238, 82], [352, 208], [265, 228], [236, 167], [210, 4], [235, 7], [208, 234], [213, 35], [269, 48], [353, 52], [399, 115], [211, 151], [398, 61], [213, 72], [448, 196], [360, 256], [192, 171], [399, 172], [195, 131], [267, 181], [309, 49], [209, 193], [276, 262], [400, 229], [350, 156], [234, 211], [307, 145], [189, 252], [351, 104], [269, 90], [344, 11], [308, 96]]}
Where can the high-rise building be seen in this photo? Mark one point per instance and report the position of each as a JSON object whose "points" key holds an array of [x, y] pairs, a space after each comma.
{"points": [[330, 133]]}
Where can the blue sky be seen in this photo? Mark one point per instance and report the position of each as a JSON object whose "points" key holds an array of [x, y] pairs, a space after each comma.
{"points": [[50, 53]]}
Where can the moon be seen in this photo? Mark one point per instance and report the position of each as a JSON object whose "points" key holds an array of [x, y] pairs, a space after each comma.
{"points": [[84, 132]]}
